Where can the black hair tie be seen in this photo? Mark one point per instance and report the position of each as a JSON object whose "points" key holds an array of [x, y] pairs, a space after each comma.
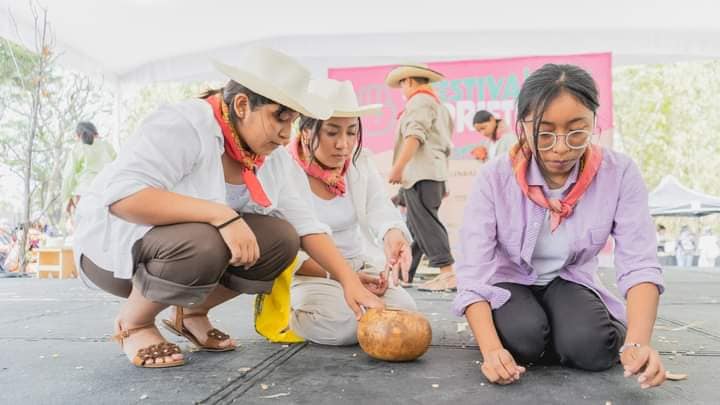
{"points": [[226, 223]]}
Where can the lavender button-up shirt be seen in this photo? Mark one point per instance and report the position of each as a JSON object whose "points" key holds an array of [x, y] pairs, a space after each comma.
{"points": [[501, 228]]}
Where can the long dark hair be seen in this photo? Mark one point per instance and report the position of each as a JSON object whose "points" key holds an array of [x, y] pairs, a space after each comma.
{"points": [[484, 116], [543, 86], [313, 125]]}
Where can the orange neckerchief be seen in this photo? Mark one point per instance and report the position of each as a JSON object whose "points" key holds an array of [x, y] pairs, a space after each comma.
{"points": [[334, 179], [233, 147], [423, 90], [559, 209]]}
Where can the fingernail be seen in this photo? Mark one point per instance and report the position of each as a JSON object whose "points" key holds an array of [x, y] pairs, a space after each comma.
{"points": [[642, 379], [627, 374], [644, 386]]}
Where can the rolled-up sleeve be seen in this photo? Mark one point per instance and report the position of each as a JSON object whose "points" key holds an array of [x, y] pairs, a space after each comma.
{"points": [[418, 118], [634, 233], [477, 261], [164, 149]]}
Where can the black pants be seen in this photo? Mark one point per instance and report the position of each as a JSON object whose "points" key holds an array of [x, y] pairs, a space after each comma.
{"points": [[429, 234], [562, 322]]}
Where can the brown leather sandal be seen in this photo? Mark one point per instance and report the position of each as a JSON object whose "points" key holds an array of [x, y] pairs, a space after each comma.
{"points": [[214, 336], [152, 352]]}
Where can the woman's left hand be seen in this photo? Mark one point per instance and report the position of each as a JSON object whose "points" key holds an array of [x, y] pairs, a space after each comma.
{"points": [[397, 255], [643, 361]]}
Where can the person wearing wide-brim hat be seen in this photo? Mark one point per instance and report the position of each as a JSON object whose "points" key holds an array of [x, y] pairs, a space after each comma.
{"points": [[339, 179], [198, 209], [420, 165]]}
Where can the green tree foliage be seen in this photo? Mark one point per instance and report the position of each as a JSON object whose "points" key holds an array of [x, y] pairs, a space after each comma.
{"points": [[666, 115], [40, 104], [140, 103]]}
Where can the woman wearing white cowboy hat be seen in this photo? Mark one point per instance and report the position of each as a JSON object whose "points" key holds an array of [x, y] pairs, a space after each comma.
{"points": [[188, 214], [338, 178]]}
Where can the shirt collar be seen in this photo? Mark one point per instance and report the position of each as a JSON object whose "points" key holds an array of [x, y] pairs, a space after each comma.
{"points": [[535, 177]]}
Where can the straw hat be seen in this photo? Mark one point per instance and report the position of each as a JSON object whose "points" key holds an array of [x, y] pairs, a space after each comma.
{"points": [[412, 70], [342, 99], [277, 76]]}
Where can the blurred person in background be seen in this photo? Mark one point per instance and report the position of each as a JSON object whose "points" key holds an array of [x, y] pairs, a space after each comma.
{"points": [[685, 247], [86, 160], [708, 248], [496, 138], [661, 234]]}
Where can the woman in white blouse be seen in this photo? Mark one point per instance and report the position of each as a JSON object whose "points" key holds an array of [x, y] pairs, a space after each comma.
{"points": [[339, 180], [198, 208]]}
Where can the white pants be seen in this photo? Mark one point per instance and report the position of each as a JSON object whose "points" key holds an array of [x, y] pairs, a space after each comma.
{"points": [[321, 315]]}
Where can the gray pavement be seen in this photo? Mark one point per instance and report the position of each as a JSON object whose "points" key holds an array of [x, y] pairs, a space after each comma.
{"points": [[54, 349]]}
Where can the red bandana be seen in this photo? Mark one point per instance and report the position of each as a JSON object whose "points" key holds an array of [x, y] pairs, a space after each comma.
{"points": [[334, 179], [559, 209], [428, 91], [233, 147]]}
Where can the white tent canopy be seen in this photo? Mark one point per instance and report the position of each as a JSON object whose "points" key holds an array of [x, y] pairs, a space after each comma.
{"points": [[670, 198], [154, 40]]}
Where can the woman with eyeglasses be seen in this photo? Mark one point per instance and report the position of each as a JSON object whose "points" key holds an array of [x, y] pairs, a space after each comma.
{"points": [[527, 279]]}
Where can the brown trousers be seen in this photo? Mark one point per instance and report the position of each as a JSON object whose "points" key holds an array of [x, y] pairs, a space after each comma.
{"points": [[182, 264]]}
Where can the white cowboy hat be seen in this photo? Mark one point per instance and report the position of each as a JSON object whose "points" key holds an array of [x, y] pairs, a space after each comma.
{"points": [[280, 78], [412, 70], [342, 98]]}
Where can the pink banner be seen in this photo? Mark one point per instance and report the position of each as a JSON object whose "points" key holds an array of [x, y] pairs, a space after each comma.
{"points": [[470, 86]]}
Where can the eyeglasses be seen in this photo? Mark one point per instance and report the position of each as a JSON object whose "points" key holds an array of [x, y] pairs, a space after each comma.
{"points": [[578, 139]]}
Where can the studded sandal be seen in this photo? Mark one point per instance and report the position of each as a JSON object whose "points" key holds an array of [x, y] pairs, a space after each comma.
{"points": [[214, 336], [152, 352]]}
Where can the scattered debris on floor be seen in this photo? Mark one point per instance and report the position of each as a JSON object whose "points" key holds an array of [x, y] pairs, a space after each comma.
{"points": [[279, 395], [675, 376]]}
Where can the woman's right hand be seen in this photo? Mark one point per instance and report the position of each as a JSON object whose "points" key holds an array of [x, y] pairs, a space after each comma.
{"points": [[359, 298], [240, 239], [375, 284], [499, 367]]}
